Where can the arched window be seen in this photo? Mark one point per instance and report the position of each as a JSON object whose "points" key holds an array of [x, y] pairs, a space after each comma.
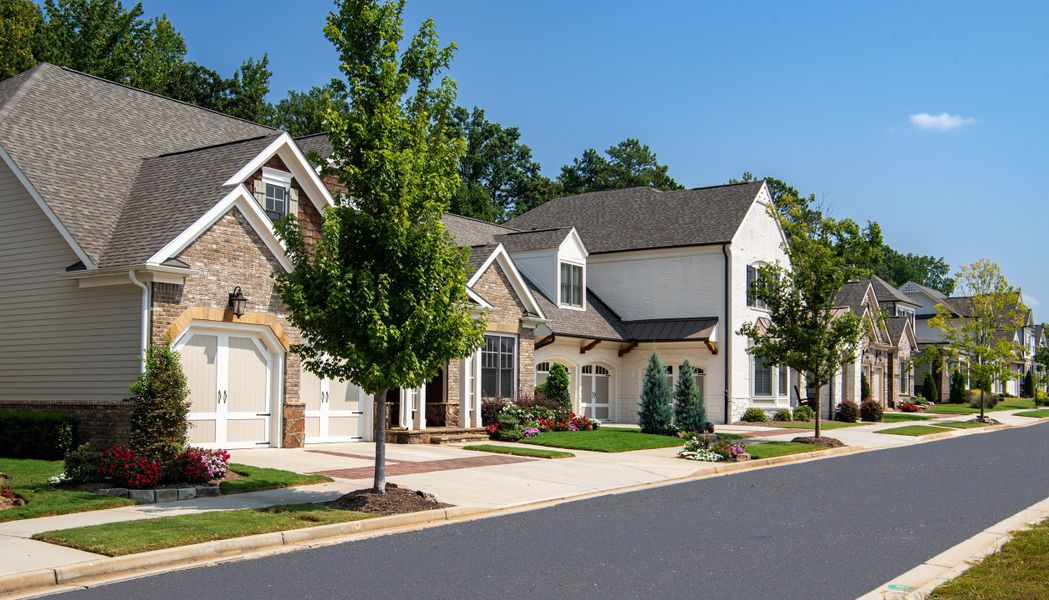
{"points": [[595, 401], [542, 371]]}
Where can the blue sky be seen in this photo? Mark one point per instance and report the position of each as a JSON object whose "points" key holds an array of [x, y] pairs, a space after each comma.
{"points": [[928, 117]]}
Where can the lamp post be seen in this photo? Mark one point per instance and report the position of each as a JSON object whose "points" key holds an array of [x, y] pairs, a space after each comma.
{"points": [[238, 302]]}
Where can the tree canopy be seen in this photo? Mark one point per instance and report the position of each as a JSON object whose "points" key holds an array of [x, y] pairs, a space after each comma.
{"points": [[628, 164]]}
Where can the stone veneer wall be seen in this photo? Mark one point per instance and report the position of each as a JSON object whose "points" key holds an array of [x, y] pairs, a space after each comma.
{"points": [[101, 423], [231, 254]]}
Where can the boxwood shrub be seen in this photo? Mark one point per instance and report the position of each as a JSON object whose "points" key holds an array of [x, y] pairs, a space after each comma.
{"points": [[31, 434], [871, 411], [754, 415]]}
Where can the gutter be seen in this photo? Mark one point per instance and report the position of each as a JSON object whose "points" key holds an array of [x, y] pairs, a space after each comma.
{"points": [[728, 333], [144, 343]]}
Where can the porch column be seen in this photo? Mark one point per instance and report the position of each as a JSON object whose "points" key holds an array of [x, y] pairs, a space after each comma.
{"points": [[419, 404], [466, 392], [477, 421], [406, 404]]}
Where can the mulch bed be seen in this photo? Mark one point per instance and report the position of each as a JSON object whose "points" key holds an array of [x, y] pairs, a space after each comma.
{"points": [[395, 501], [823, 442]]}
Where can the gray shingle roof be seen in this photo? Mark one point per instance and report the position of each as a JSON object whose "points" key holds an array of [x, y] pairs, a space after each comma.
{"points": [[540, 239], [896, 326], [885, 292], [179, 188], [81, 141], [852, 294], [597, 321], [317, 142], [472, 232], [478, 254], [639, 218]]}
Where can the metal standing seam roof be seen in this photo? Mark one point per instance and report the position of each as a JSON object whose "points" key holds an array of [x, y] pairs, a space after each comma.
{"points": [[643, 218], [81, 142]]}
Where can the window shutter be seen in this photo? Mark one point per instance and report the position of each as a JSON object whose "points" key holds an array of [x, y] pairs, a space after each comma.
{"points": [[259, 192], [293, 202]]}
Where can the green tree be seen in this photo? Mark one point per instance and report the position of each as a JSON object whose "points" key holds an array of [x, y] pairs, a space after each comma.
{"points": [[1028, 386], [158, 417], [302, 113], [865, 387], [381, 298], [930, 391], [657, 413], [18, 21], [985, 336], [957, 393], [804, 331], [246, 91], [629, 164], [499, 177], [689, 412], [556, 387]]}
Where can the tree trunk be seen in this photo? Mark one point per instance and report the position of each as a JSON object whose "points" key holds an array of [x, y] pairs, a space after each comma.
{"points": [[819, 411], [379, 430], [982, 403]]}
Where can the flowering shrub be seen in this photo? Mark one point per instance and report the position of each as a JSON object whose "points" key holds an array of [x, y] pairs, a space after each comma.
{"points": [[515, 421], [531, 431], [708, 447], [128, 468], [909, 407], [198, 465]]}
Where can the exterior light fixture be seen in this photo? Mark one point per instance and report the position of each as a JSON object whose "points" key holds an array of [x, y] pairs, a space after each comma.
{"points": [[238, 302]]}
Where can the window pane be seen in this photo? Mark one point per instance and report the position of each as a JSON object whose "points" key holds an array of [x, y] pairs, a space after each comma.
{"points": [[762, 378], [784, 380]]}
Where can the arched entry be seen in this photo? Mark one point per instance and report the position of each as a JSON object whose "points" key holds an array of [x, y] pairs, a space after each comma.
{"points": [[596, 386], [234, 376]]}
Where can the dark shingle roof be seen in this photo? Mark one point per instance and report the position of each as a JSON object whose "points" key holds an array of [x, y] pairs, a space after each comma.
{"points": [[641, 217], [896, 326], [472, 232], [540, 239], [597, 321], [885, 292], [670, 330], [81, 140], [179, 188], [317, 142], [852, 294], [478, 254]]}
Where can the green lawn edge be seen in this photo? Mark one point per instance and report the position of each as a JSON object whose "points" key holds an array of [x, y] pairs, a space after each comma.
{"points": [[824, 425], [516, 451], [772, 449], [1020, 569], [1034, 414], [897, 417], [29, 479], [256, 479], [132, 537], [914, 430], [604, 440]]}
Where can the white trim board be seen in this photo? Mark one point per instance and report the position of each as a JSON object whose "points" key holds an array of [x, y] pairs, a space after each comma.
{"points": [[285, 147]]}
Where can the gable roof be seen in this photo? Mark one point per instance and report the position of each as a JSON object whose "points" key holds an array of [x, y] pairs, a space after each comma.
{"points": [[82, 143], [540, 239], [853, 295], [898, 327], [641, 217], [885, 292], [473, 232], [597, 321]]}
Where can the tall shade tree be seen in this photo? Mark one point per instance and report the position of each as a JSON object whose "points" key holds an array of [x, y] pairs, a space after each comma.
{"points": [[984, 337], [629, 164], [302, 113], [18, 21], [381, 299], [804, 331]]}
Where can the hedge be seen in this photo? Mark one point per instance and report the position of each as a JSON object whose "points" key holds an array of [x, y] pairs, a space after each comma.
{"points": [[31, 434]]}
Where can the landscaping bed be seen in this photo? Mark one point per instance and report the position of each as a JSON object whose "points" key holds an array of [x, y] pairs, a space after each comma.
{"points": [[1020, 569], [130, 537], [515, 451], [603, 440]]}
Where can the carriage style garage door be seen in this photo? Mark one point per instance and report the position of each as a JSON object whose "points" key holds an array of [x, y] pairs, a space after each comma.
{"points": [[334, 409], [231, 381]]}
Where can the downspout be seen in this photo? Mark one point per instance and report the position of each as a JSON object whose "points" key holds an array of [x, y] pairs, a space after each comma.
{"points": [[144, 342], [728, 333]]}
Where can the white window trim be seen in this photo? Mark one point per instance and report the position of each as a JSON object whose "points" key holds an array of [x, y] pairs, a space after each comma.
{"points": [[746, 292], [773, 383], [276, 177], [581, 265], [516, 381]]}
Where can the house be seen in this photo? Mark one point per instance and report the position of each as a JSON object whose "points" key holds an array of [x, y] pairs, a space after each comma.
{"points": [[927, 299], [887, 343]]}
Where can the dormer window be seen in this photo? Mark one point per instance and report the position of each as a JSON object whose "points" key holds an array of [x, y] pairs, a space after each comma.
{"points": [[571, 285], [277, 199]]}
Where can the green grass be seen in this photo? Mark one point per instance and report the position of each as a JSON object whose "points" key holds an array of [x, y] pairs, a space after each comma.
{"points": [[604, 440], [965, 409], [770, 449], [1019, 570], [895, 417], [117, 539], [824, 425], [729, 437], [514, 451], [961, 424], [1035, 414], [914, 430], [258, 478], [29, 480]]}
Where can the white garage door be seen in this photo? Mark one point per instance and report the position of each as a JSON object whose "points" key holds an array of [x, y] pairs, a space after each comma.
{"points": [[334, 409], [230, 377]]}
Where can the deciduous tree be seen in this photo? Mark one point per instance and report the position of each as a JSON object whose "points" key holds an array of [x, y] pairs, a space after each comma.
{"points": [[18, 21]]}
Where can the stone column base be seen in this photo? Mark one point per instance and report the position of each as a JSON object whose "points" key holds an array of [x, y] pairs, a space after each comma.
{"points": [[294, 425]]}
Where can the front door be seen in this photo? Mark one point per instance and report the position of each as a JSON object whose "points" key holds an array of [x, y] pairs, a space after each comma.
{"points": [[594, 400], [334, 409], [230, 381]]}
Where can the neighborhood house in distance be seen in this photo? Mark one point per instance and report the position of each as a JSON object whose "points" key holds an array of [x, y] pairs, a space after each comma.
{"points": [[131, 218]]}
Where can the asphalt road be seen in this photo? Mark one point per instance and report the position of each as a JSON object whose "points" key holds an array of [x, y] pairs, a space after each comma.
{"points": [[833, 528]]}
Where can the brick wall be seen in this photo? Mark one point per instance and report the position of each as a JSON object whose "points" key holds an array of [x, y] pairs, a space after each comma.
{"points": [[102, 423], [495, 287]]}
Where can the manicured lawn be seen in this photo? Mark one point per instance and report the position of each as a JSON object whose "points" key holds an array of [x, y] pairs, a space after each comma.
{"points": [[770, 449], [29, 480], [116, 539], [961, 424], [730, 436], [604, 440], [513, 451], [1016, 403], [894, 417], [257, 478], [965, 409], [1035, 414], [1019, 570], [824, 425], [914, 430]]}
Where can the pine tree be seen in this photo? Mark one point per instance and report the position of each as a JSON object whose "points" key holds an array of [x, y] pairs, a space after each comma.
{"points": [[556, 387], [1028, 387], [958, 395], [865, 388], [158, 418], [689, 413], [929, 389], [656, 414]]}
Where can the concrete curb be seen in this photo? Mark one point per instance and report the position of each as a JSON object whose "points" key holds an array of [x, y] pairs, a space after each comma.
{"points": [[920, 581], [195, 553], [188, 556]]}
